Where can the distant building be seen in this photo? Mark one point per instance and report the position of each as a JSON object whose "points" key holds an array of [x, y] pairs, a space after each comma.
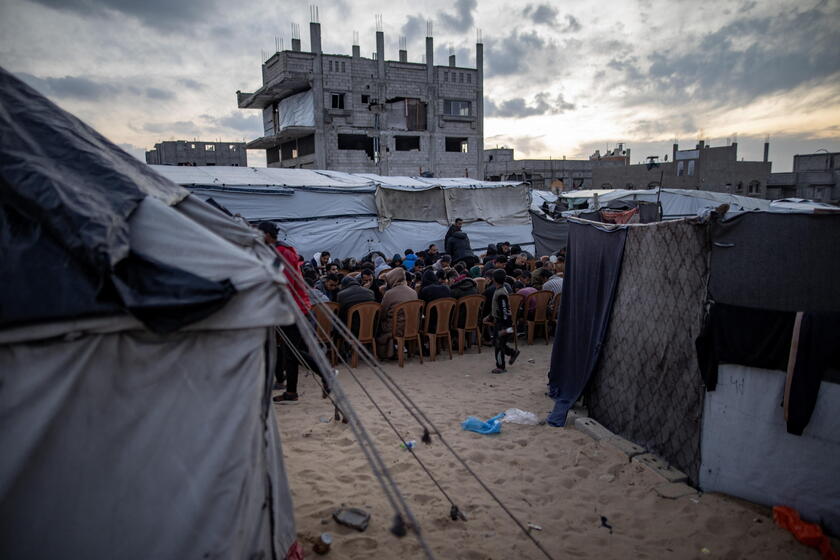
{"points": [[370, 115], [550, 174], [185, 152], [703, 167], [814, 176]]}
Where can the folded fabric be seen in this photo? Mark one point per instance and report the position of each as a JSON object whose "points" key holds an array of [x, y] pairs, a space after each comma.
{"points": [[491, 426]]}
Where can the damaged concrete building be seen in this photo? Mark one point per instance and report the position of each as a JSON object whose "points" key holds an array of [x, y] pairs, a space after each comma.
{"points": [[557, 175], [370, 115], [195, 152]]}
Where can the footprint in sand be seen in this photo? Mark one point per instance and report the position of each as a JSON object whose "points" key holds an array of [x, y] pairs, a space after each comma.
{"points": [[345, 442], [522, 442], [422, 499], [359, 544], [477, 457], [345, 479]]}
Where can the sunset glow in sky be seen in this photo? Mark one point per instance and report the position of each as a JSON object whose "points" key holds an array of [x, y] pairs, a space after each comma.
{"points": [[561, 78]]}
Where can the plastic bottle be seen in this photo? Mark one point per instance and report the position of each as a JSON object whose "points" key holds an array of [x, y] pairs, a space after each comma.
{"points": [[410, 444]]}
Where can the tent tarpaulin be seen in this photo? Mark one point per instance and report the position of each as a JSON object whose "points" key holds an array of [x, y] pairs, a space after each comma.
{"points": [[593, 265], [296, 110], [87, 470], [765, 260], [550, 236]]}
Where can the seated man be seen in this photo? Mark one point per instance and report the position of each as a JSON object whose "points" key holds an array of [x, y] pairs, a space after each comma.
{"points": [[350, 294], [328, 285], [398, 292]]}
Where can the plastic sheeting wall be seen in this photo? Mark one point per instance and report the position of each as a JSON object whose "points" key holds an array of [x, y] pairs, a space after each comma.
{"points": [[296, 110], [138, 446], [266, 203], [748, 453], [495, 204], [549, 236], [647, 387], [356, 237]]}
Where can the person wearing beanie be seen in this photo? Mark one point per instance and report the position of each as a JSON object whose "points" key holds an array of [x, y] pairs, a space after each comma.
{"points": [[398, 292]]}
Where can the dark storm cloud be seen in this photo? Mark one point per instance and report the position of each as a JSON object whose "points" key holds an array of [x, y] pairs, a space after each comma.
{"points": [[518, 107], [541, 14], [741, 61], [70, 87], [513, 54], [462, 20], [162, 14]]}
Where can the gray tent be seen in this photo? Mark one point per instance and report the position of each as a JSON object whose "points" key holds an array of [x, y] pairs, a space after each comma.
{"points": [[136, 357]]}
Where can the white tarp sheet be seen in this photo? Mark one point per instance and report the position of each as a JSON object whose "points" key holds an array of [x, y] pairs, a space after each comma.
{"points": [[267, 203], [747, 452], [268, 176], [677, 203], [296, 110]]}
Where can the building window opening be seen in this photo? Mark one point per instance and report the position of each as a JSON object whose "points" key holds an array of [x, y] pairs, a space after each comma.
{"points": [[680, 168], [446, 76], [209, 147], [456, 144], [337, 101], [232, 148], [356, 142], [690, 167], [365, 99], [343, 67], [754, 187], [469, 78], [407, 143], [331, 66], [192, 146], [461, 74], [456, 108]]}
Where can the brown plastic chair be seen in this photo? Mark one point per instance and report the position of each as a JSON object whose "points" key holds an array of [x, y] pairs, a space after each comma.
{"points": [[531, 264], [515, 301], [541, 316], [412, 311], [325, 326], [481, 284], [468, 307], [443, 308], [367, 313]]}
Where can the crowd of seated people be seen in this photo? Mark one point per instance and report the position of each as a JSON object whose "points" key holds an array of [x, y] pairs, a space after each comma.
{"points": [[427, 275]]}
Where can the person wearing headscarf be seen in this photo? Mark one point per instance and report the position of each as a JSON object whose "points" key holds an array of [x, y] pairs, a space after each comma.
{"points": [[398, 292]]}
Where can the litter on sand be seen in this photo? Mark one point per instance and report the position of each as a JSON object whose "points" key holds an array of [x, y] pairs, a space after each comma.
{"points": [[491, 426]]}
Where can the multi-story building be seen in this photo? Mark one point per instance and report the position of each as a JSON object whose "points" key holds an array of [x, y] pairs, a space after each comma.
{"points": [[370, 115], [814, 176], [186, 152], [550, 174], [704, 168]]}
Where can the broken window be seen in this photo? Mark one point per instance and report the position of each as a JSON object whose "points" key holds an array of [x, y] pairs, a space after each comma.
{"points": [[232, 148], [272, 155], [356, 142], [306, 145], [456, 108], [192, 146], [680, 168], [755, 187], [209, 148], [343, 67], [457, 144], [337, 101], [406, 143], [690, 167], [365, 99], [461, 74]]}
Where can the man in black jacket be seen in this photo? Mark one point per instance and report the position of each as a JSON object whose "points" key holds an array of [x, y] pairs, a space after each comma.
{"points": [[500, 318], [351, 293], [457, 244]]}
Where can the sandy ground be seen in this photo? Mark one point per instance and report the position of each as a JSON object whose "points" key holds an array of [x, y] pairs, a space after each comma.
{"points": [[557, 478]]}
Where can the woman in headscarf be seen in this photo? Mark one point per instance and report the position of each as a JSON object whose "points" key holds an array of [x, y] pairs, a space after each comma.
{"points": [[398, 292]]}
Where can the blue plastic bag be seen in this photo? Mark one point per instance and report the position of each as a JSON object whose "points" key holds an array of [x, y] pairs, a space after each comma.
{"points": [[492, 426]]}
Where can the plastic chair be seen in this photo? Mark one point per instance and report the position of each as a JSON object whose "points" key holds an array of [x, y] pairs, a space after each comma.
{"points": [[481, 284], [515, 301], [541, 316], [325, 327], [469, 307], [411, 311], [367, 313], [443, 309]]}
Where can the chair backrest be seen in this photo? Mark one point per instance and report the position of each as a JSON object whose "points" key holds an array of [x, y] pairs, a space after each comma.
{"points": [[367, 312], [443, 309], [542, 298], [323, 312], [481, 284], [555, 305], [411, 311], [469, 307], [531, 264], [515, 301]]}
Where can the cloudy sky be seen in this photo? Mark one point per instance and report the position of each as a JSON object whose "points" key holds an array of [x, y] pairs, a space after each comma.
{"points": [[561, 78]]}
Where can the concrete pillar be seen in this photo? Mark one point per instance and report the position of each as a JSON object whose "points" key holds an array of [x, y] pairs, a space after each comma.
{"points": [[766, 151], [431, 109], [380, 54], [403, 55], [315, 37], [357, 52], [479, 106], [452, 60], [295, 44]]}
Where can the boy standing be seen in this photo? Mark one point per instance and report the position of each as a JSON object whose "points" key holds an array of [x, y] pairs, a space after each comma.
{"points": [[500, 319]]}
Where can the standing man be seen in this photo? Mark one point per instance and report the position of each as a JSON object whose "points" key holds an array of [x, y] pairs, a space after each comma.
{"points": [[500, 319], [287, 367], [452, 229]]}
